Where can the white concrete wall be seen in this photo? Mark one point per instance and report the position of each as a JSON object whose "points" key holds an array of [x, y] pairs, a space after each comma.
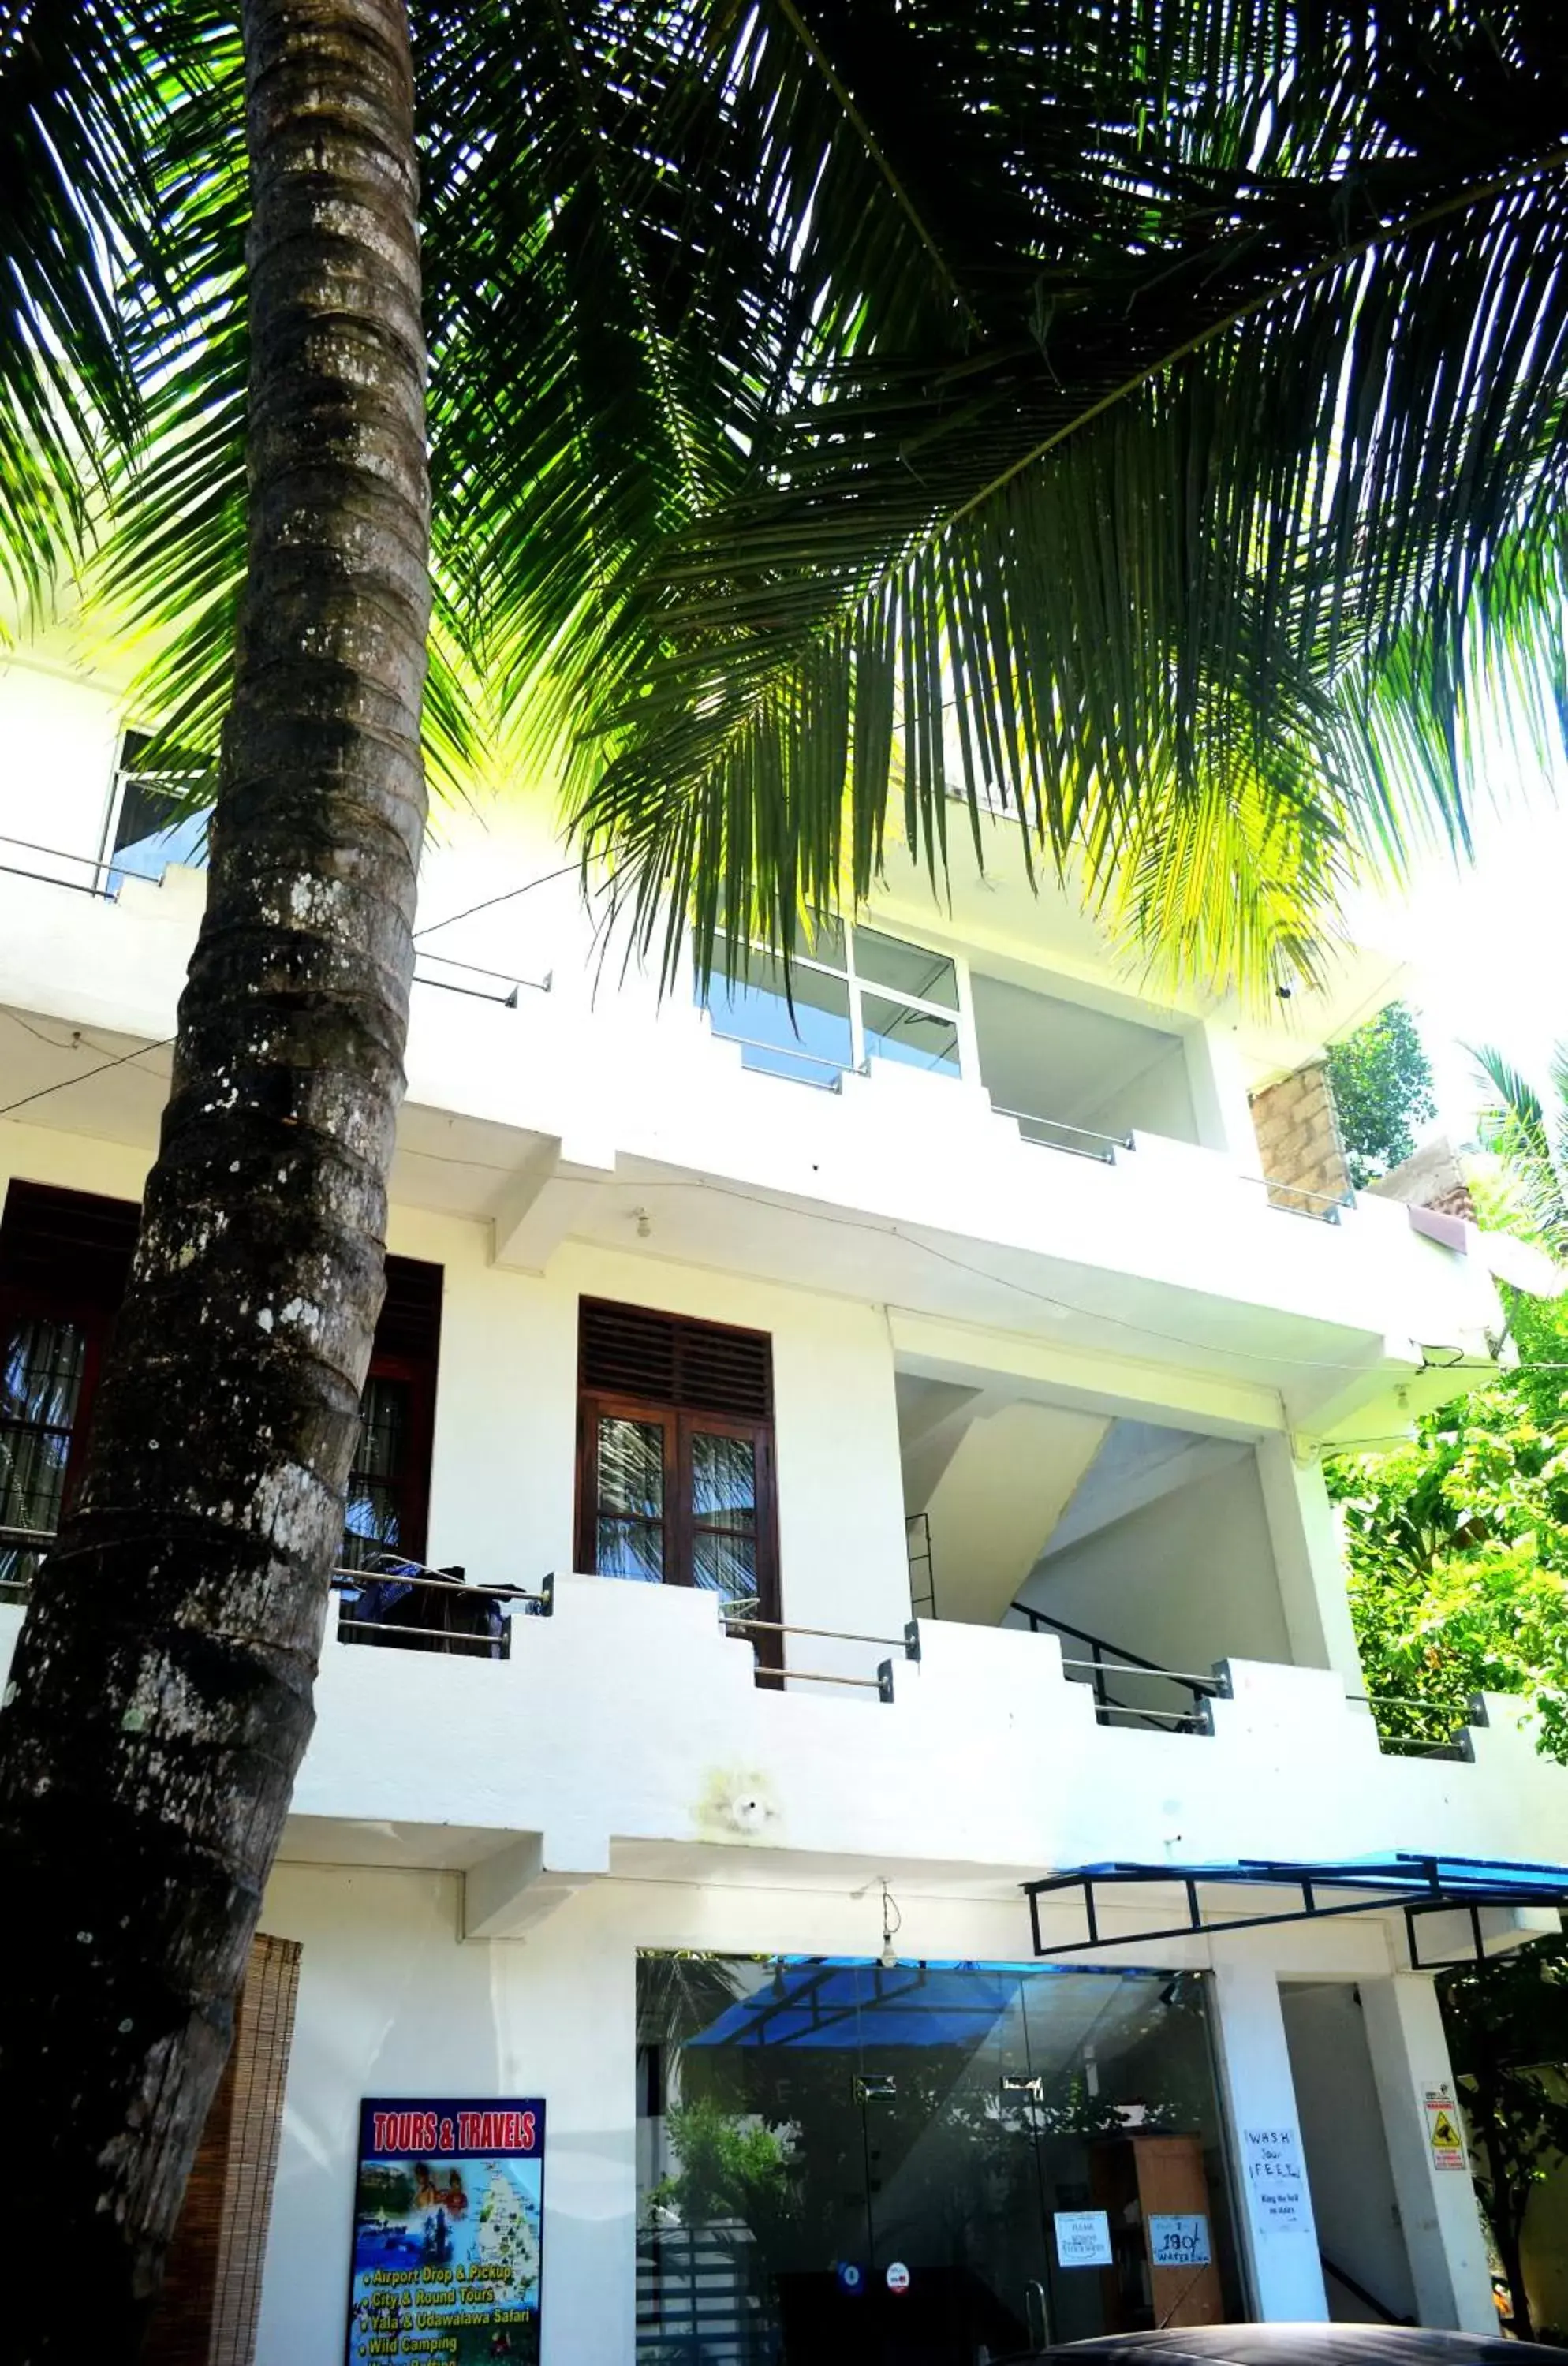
{"points": [[1184, 1581], [1347, 2153], [1158, 1101], [391, 2004], [59, 739], [1172, 1239], [503, 1475]]}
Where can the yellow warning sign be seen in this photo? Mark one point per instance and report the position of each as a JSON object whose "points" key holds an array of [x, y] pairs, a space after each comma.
{"points": [[1444, 2131]]}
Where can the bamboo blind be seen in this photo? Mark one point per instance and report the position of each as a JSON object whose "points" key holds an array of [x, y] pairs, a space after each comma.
{"points": [[212, 2296]]}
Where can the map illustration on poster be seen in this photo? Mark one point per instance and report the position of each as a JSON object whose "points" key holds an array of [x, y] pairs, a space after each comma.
{"points": [[448, 2234]]}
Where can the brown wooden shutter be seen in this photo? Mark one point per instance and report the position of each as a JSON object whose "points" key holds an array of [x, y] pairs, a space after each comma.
{"points": [[639, 1352], [208, 2310], [71, 1246], [410, 1321]]}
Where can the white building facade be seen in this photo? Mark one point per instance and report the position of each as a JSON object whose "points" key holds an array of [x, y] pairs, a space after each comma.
{"points": [[882, 1447]]}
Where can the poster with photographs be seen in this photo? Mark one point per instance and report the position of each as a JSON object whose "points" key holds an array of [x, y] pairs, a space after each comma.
{"points": [[448, 2234]]}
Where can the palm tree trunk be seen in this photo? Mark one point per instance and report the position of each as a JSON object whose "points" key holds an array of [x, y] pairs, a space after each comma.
{"points": [[161, 1700]]}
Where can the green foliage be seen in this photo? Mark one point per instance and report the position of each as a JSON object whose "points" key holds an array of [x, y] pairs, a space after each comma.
{"points": [[1458, 1546], [1145, 419], [732, 2167], [1507, 2029], [1382, 1083], [1531, 1137]]}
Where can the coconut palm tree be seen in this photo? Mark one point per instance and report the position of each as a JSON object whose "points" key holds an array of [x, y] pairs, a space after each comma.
{"points": [[1144, 418], [1530, 1138]]}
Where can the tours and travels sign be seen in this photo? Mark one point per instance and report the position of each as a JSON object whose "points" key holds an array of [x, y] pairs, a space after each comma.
{"points": [[448, 2231]]}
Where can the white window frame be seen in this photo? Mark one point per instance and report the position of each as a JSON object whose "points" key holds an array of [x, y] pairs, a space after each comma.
{"points": [[959, 1015]]}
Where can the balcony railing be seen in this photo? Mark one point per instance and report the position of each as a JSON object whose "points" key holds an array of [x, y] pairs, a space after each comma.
{"points": [[85, 874], [403, 1606], [1295, 1200], [1082, 1141], [1109, 1662]]}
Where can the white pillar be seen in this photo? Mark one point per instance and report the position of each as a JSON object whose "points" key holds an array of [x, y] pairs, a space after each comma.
{"points": [[1217, 1082], [1436, 2205], [1279, 2235], [1308, 1561]]}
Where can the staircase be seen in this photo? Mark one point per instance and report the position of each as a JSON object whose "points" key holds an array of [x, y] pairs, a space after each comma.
{"points": [[693, 2304], [1168, 1700]]}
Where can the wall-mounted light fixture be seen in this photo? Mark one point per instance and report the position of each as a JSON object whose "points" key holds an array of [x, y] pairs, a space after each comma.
{"points": [[892, 1923]]}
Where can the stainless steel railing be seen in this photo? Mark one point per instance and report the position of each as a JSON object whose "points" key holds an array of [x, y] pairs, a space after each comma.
{"points": [[1086, 1141], [909, 1643], [1324, 1208]]}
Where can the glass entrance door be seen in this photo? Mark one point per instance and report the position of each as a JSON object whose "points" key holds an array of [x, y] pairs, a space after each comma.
{"points": [[922, 2165]]}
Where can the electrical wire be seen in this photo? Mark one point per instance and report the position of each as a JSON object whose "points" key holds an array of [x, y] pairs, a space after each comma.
{"points": [[62, 1083], [851, 1223], [980, 1273], [885, 1232], [508, 895]]}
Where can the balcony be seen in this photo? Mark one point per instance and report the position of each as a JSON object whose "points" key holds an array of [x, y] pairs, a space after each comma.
{"points": [[625, 1730], [990, 1155]]}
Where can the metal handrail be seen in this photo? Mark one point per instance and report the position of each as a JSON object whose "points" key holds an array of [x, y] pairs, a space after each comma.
{"points": [[91, 862], [1199, 1688], [1038, 1618], [414, 1572], [908, 1642], [474, 969], [1112, 1142], [433, 1634], [784, 1052], [1208, 1685], [881, 1683], [1359, 2292], [1331, 1204]]}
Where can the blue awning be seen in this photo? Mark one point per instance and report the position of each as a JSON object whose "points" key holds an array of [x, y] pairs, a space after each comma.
{"points": [[1360, 1884], [854, 2005]]}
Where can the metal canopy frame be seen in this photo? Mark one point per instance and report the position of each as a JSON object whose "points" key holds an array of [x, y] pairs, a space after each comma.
{"points": [[798, 1992], [1423, 1884]]}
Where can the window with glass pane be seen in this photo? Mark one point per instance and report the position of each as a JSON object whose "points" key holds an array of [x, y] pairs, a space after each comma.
{"points": [[676, 1483], [908, 969], [803, 1032], [40, 1383], [154, 823], [919, 1039], [852, 995], [373, 1523], [724, 1518], [630, 1459]]}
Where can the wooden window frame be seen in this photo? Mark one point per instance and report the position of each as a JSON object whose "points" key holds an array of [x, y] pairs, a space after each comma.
{"points": [[24, 1303], [95, 1324], [409, 1487], [64, 1298], [678, 1424]]}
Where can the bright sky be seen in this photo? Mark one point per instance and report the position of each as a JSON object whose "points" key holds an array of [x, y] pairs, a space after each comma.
{"points": [[1488, 942]]}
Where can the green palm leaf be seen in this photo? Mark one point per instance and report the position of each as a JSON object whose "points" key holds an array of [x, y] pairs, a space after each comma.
{"points": [[1262, 473], [1532, 1140], [82, 86]]}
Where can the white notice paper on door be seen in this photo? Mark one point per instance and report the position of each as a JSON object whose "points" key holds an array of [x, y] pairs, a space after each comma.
{"points": [[1276, 2181], [1083, 2239]]}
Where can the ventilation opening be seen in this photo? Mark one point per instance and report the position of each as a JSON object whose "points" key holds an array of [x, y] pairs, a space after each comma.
{"points": [[633, 1351]]}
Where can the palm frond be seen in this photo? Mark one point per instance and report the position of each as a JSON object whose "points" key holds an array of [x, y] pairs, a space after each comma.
{"points": [[1532, 1145], [82, 83], [1241, 465]]}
